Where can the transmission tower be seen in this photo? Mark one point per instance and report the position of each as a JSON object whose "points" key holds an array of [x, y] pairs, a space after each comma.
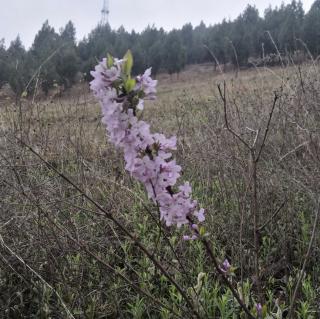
{"points": [[105, 13]]}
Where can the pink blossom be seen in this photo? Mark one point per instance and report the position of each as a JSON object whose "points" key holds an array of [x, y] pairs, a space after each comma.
{"points": [[104, 76], [186, 237], [259, 309], [148, 156], [225, 266], [147, 85]]}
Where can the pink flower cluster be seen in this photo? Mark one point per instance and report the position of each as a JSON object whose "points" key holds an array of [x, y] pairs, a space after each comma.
{"points": [[225, 266], [148, 156]]}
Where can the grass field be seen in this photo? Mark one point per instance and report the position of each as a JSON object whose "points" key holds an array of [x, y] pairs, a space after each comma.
{"points": [[251, 152]]}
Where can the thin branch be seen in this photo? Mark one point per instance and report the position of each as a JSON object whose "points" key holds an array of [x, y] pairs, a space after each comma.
{"points": [[225, 279], [94, 256], [312, 239], [268, 127], [214, 58], [224, 100], [256, 138], [42, 64], [116, 272], [293, 151], [273, 216], [69, 314], [134, 239], [221, 273]]}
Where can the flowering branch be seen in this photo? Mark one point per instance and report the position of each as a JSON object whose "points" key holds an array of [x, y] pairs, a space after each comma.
{"points": [[148, 156]]}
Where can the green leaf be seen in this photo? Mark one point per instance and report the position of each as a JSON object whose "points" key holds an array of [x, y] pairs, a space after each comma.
{"points": [[110, 61], [264, 311], [202, 231], [129, 85], [127, 66]]}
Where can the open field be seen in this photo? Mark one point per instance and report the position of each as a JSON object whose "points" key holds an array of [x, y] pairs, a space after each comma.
{"points": [[252, 154]]}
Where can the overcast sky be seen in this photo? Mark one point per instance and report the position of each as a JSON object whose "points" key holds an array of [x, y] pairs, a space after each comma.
{"points": [[25, 17]]}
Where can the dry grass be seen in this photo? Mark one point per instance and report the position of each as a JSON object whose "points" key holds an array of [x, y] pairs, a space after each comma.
{"points": [[40, 211]]}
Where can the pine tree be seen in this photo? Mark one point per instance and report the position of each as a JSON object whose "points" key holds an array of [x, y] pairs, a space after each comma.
{"points": [[67, 65], [174, 53], [291, 27], [17, 67], [311, 29], [4, 75], [44, 55]]}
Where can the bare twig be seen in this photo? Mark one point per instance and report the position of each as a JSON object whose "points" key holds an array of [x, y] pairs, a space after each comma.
{"points": [[85, 248], [293, 151], [224, 100], [268, 127], [223, 277], [2, 243], [134, 239], [273, 216], [312, 239]]}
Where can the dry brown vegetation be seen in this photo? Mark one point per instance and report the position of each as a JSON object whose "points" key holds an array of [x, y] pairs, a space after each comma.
{"points": [[252, 153]]}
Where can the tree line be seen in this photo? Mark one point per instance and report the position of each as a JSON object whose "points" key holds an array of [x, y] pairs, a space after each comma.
{"points": [[55, 58]]}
